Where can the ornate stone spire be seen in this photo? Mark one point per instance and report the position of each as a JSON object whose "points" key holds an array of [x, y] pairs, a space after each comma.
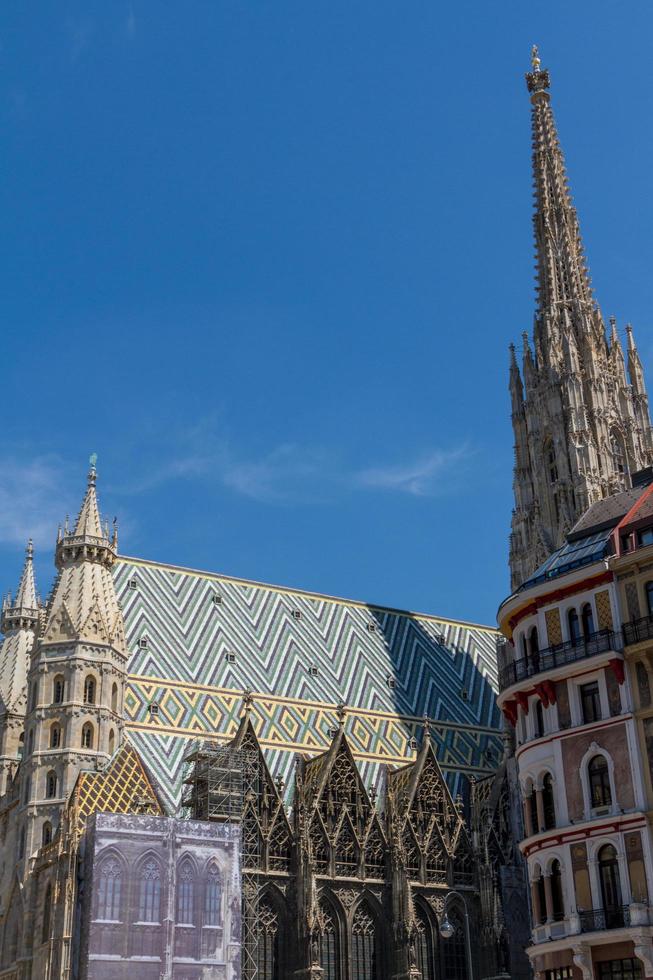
{"points": [[20, 619], [583, 429]]}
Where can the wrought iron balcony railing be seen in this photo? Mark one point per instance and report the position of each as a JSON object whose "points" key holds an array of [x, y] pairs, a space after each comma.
{"points": [[638, 630], [558, 656], [597, 920]]}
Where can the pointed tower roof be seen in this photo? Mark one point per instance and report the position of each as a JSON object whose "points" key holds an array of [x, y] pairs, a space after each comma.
{"points": [[20, 620], [563, 279], [84, 603]]}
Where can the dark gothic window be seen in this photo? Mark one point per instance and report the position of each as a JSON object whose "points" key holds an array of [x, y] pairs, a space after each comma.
{"points": [[550, 457], [46, 833], [89, 690], [548, 801], [112, 741], [51, 785], [109, 888], [618, 455], [599, 778], [185, 894], [364, 946], [455, 948], [213, 896], [55, 736], [87, 736], [346, 853], [47, 908], [587, 617], [58, 690], [150, 892], [556, 892], [267, 945], [114, 697], [329, 947], [425, 949]]}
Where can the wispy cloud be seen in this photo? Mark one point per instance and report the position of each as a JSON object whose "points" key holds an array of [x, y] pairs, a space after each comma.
{"points": [[429, 473], [32, 500]]}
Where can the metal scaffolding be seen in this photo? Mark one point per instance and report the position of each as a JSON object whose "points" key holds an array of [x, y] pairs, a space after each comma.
{"points": [[223, 784]]}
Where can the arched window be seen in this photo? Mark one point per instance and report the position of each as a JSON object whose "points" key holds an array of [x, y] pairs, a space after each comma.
{"points": [[533, 643], [532, 805], [47, 906], [550, 461], [455, 948], [539, 719], [55, 736], [649, 597], [329, 945], [149, 903], [524, 647], [548, 801], [587, 617], [558, 910], [213, 896], [364, 945], [599, 780], [618, 454], [610, 886], [51, 785], [89, 690], [574, 626], [109, 890], [87, 736], [114, 697], [267, 943], [58, 688], [425, 946], [46, 833], [112, 741], [185, 890]]}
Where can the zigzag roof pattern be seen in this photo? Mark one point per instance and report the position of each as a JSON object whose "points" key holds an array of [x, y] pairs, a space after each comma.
{"points": [[197, 640]]}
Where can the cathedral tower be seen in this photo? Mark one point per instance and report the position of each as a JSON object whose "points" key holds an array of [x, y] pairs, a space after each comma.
{"points": [[19, 623], [76, 676], [580, 411]]}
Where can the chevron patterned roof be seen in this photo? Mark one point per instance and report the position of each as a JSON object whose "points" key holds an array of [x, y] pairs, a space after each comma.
{"points": [[197, 640]]}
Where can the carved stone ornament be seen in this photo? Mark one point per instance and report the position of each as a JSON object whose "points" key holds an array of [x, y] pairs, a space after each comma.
{"points": [[347, 897]]}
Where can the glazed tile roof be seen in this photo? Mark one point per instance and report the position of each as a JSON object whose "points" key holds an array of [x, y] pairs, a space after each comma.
{"points": [[197, 640]]}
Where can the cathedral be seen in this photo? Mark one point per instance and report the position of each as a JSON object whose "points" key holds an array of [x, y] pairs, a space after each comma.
{"points": [[146, 710]]}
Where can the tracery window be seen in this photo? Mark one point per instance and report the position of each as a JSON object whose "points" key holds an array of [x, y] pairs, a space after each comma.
{"points": [[618, 455], [455, 948], [109, 889], [213, 896], [149, 903], [364, 945], [46, 833], [89, 690], [329, 946], [599, 779], [51, 785], [55, 736], [185, 888], [58, 689], [425, 946], [87, 736], [267, 945], [346, 854]]}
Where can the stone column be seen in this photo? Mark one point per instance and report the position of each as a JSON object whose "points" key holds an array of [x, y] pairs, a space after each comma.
{"points": [[535, 904], [548, 895], [528, 823]]}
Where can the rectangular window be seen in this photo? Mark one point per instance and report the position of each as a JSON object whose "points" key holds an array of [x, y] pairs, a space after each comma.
{"points": [[645, 537], [590, 702], [561, 973], [620, 970]]}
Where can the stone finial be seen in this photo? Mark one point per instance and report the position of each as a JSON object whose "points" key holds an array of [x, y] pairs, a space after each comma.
{"points": [[535, 58], [248, 700], [341, 712]]}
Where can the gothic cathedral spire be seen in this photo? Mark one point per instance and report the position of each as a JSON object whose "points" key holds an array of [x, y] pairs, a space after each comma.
{"points": [[581, 426]]}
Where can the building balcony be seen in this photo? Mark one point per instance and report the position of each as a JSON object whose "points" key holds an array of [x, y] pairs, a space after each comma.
{"points": [[559, 656], [598, 920], [638, 630]]}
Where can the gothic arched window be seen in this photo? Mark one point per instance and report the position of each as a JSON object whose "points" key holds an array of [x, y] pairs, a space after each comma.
{"points": [[599, 779], [46, 833], [185, 890], [55, 736], [47, 908], [455, 948], [618, 454], [213, 896], [87, 736], [425, 945], [112, 741], [364, 945], [114, 697], [267, 943], [149, 903], [109, 890], [58, 688], [89, 690], [329, 945], [51, 785]]}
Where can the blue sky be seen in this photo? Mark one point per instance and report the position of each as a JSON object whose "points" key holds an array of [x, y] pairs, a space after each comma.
{"points": [[266, 259]]}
